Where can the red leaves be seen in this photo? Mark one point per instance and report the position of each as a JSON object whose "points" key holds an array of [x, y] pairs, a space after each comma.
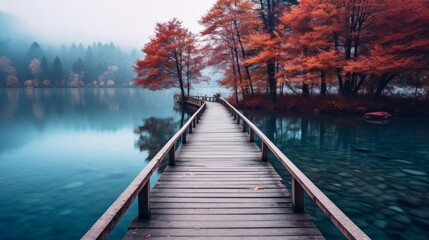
{"points": [[171, 58]]}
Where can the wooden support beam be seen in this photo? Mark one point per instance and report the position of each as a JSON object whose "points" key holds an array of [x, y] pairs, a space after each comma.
{"points": [[297, 196], [144, 201], [264, 152], [184, 138], [251, 135], [171, 159]]}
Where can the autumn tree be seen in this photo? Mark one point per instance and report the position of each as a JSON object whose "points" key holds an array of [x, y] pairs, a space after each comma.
{"points": [[228, 25], [269, 12], [171, 59], [399, 44], [6, 70], [35, 68], [308, 52]]}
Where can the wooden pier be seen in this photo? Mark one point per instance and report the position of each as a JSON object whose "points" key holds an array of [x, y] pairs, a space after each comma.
{"points": [[219, 185]]}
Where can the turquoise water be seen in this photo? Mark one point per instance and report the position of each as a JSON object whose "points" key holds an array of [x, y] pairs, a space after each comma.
{"points": [[67, 154], [377, 174]]}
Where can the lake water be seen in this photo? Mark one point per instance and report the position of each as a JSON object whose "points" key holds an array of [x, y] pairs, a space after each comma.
{"points": [[377, 174], [67, 154]]}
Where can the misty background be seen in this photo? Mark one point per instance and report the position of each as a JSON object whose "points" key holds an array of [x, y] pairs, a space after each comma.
{"points": [[82, 43]]}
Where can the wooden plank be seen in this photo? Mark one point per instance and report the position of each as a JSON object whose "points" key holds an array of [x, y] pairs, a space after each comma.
{"points": [[221, 195], [259, 168], [216, 186], [221, 174], [129, 237], [224, 211], [232, 217], [220, 224], [218, 179], [245, 232], [223, 205], [248, 190], [184, 199]]}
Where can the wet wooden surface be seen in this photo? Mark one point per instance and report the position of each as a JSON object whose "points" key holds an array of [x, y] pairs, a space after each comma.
{"points": [[220, 189]]}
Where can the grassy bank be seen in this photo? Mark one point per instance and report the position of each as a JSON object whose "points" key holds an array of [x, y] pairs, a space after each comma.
{"points": [[336, 105]]}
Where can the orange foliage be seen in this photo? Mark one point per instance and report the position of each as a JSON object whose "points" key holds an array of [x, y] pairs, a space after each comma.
{"points": [[172, 59], [355, 41], [228, 25]]}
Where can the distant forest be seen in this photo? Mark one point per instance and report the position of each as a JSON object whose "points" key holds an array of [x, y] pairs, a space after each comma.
{"points": [[75, 65]]}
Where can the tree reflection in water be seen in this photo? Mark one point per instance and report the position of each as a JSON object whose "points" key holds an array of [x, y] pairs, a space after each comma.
{"points": [[154, 133]]}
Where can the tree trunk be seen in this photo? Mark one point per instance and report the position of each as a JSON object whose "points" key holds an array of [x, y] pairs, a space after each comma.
{"points": [[182, 90], [239, 72], [323, 83], [305, 90], [272, 83], [235, 76], [381, 84], [243, 53]]}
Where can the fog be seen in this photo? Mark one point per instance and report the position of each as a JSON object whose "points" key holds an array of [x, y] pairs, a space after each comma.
{"points": [[125, 22]]}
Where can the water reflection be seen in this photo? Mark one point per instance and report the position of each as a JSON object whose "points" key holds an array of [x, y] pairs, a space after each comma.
{"points": [[67, 154], [154, 134], [377, 174], [34, 111]]}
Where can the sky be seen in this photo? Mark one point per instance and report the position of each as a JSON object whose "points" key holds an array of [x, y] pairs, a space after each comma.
{"points": [[125, 22]]}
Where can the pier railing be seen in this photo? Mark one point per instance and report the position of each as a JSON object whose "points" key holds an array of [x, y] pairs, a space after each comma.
{"points": [[300, 182], [206, 98], [140, 186]]}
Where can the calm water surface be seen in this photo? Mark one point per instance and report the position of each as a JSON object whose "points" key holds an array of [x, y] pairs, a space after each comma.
{"points": [[377, 174], [67, 154]]}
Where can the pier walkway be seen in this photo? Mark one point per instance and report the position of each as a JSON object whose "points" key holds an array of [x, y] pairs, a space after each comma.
{"points": [[219, 185]]}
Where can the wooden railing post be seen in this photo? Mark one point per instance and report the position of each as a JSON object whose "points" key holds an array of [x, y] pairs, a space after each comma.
{"points": [[238, 119], [264, 157], [297, 196], [144, 201], [251, 135], [171, 159], [244, 126], [194, 123], [190, 128], [184, 138]]}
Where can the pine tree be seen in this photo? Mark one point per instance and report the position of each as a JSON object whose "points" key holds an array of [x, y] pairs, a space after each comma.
{"points": [[44, 69], [57, 74]]}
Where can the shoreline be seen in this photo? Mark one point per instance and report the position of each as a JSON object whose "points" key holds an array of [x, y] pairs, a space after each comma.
{"points": [[396, 106]]}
